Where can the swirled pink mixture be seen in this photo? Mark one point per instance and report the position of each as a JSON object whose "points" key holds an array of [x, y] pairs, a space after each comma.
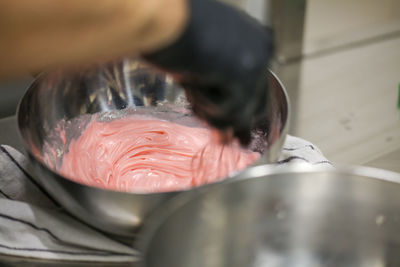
{"points": [[149, 155]]}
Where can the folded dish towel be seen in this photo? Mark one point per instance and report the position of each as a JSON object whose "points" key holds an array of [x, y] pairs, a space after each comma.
{"points": [[299, 150], [33, 225]]}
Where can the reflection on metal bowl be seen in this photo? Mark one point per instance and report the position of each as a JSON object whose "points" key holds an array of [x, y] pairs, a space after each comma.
{"points": [[291, 216], [114, 90]]}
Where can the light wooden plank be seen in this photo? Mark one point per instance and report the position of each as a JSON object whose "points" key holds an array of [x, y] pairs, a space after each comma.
{"points": [[334, 23], [389, 161], [347, 102]]}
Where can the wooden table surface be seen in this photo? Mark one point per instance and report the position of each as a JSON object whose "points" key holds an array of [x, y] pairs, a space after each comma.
{"points": [[348, 104]]}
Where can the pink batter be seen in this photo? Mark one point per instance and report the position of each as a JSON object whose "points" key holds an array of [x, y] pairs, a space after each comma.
{"points": [[149, 155]]}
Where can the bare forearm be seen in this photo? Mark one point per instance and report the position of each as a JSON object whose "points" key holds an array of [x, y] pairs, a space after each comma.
{"points": [[35, 35]]}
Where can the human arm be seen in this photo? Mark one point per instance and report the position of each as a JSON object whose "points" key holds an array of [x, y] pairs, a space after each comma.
{"points": [[42, 34]]}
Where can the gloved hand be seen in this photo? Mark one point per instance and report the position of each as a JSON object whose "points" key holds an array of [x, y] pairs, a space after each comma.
{"points": [[221, 59]]}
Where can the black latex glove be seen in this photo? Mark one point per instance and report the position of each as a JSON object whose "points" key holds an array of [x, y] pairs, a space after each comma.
{"points": [[221, 59]]}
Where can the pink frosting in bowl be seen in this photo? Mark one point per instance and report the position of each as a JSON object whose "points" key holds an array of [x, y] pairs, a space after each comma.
{"points": [[146, 155]]}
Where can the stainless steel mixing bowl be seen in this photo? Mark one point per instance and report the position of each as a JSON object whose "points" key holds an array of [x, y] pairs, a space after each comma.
{"points": [[62, 103], [292, 216]]}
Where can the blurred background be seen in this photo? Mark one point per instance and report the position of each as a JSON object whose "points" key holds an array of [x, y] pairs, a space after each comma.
{"points": [[340, 62]]}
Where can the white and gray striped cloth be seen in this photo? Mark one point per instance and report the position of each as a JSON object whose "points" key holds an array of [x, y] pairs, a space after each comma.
{"points": [[33, 225]]}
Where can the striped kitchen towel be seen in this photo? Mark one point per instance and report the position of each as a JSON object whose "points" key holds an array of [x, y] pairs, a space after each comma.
{"points": [[33, 225]]}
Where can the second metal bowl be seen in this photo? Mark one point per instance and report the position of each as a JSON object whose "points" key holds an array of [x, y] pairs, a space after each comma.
{"points": [[297, 215]]}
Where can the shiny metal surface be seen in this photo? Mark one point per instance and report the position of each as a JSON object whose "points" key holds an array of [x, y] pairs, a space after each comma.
{"points": [[292, 216], [57, 100]]}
